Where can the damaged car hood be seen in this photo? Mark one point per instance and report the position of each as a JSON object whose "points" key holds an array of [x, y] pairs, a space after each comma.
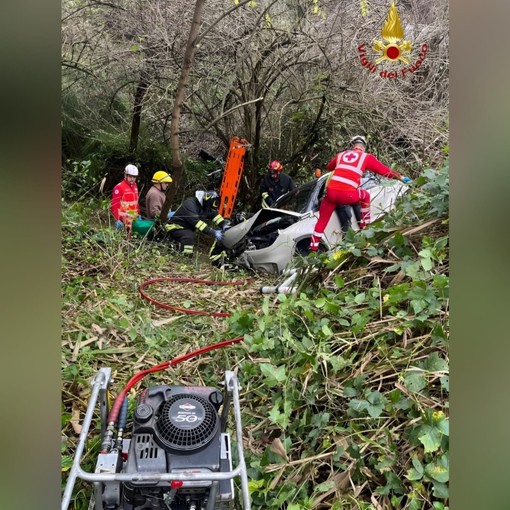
{"points": [[261, 220]]}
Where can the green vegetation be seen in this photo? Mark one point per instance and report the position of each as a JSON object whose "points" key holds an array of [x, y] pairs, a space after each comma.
{"points": [[344, 385]]}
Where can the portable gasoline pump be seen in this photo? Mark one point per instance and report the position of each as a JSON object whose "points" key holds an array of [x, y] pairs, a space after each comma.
{"points": [[178, 453]]}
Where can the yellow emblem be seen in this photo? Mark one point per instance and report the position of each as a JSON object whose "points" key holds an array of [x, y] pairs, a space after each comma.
{"points": [[392, 32]]}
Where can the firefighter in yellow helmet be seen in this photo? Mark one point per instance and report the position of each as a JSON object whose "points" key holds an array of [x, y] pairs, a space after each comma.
{"points": [[156, 195]]}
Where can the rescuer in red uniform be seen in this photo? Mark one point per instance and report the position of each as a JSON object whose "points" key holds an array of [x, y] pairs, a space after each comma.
{"points": [[124, 204], [343, 187]]}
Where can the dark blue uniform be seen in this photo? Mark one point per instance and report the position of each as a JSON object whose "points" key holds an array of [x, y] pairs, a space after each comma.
{"points": [[271, 189]]}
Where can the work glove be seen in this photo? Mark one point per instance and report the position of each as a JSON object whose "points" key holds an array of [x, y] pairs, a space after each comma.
{"points": [[119, 225], [406, 180], [218, 234], [170, 214]]}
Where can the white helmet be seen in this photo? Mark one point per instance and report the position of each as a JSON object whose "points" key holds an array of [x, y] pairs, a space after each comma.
{"points": [[131, 170], [358, 139]]}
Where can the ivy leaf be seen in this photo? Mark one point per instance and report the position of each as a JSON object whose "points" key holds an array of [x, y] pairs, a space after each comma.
{"points": [[358, 405], [393, 484], [278, 418], [377, 402], [275, 415], [360, 298], [124, 323], [339, 282], [307, 343], [255, 485], [440, 490], [431, 440], [323, 487], [418, 305], [416, 472], [415, 504], [434, 363], [426, 263], [350, 391], [426, 260], [327, 331], [440, 421], [417, 465], [338, 363], [445, 383], [320, 303], [66, 463], [385, 463], [274, 375], [375, 411], [414, 475], [413, 270], [437, 472], [415, 381]]}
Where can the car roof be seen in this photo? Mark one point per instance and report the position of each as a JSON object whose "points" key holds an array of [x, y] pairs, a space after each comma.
{"points": [[313, 187]]}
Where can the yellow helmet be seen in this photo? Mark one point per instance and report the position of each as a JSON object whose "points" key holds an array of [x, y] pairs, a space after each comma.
{"points": [[161, 177]]}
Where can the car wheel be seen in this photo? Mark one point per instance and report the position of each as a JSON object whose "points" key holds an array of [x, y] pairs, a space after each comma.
{"points": [[303, 247]]}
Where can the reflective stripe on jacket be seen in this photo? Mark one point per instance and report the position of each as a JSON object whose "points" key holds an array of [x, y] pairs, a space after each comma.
{"points": [[124, 204], [348, 167], [193, 216], [271, 189]]}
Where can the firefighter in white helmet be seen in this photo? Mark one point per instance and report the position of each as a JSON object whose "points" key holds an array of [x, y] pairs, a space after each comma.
{"points": [[124, 204], [192, 216]]}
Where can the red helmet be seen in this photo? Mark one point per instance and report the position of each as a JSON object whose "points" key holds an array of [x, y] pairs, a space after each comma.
{"points": [[276, 166]]}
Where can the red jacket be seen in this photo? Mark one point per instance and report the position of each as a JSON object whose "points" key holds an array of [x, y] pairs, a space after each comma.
{"points": [[125, 202], [348, 167]]}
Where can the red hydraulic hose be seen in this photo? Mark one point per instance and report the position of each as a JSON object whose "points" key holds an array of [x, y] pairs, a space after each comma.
{"points": [[115, 410], [186, 280]]}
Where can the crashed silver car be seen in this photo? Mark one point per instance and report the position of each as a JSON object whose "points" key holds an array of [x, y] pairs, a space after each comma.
{"points": [[268, 240]]}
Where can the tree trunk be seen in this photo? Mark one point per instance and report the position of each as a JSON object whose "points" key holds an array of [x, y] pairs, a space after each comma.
{"points": [[141, 90], [177, 164]]}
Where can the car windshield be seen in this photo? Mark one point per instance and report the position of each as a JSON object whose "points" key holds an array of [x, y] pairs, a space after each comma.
{"points": [[297, 200], [300, 199]]}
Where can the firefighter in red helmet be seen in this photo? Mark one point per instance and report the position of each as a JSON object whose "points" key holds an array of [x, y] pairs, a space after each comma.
{"points": [[274, 184]]}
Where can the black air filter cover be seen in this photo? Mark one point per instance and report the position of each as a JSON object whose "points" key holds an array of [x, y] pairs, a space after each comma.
{"points": [[182, 419], [186, 422]]}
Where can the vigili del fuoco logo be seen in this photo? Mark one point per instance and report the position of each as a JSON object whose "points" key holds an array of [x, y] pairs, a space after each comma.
{"points": [[395, 50]]}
